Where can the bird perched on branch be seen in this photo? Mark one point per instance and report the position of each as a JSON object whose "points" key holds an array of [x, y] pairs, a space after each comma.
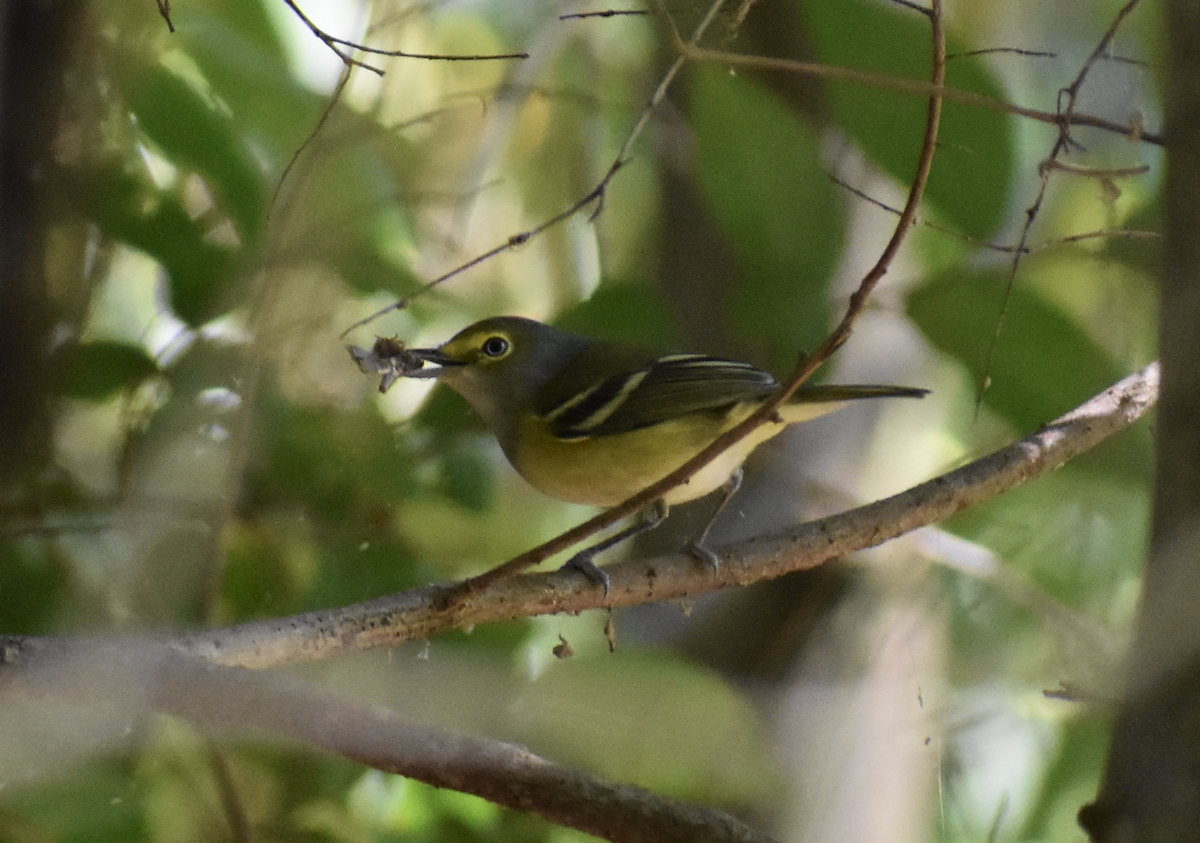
{"points": [[595, 422]]}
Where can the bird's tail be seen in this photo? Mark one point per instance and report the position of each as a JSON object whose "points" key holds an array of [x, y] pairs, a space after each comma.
{"points": [[809, 402]]}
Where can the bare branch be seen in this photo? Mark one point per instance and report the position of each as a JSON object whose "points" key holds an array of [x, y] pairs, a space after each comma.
{"points": [[917, 87], [164, 9], [417, 614], [132, 678], [336, 44], [991, 51], [1067, 119], [607, 13], [595, 196], [1094, 172], [1100, 234]]}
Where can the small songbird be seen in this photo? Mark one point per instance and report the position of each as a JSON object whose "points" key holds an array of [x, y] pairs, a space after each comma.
{"points": [[593, 421]]}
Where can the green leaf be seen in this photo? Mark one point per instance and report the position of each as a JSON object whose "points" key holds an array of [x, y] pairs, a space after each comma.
{"points": [[1071, 780], [372, 253], [621, 716], [1079, 533], [268, 564], [97, 370], [1044, 363], [465, 474], [353, 569], [129, 209], [345, 467], [761, 174], [344, 196], [195, 134], [350, 208], [248, 18], [246, 71], [97, 802], [630, 312], [973, 168], [31, 585]]}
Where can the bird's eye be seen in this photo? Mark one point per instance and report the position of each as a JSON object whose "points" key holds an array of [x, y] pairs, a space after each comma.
{"points": [[495, 346]]}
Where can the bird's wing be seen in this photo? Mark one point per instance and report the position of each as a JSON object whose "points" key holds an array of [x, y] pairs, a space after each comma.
{"points": [[661, 389]]}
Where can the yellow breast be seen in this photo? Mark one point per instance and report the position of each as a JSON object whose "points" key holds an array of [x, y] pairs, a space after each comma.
{"points": [[605, 470]]}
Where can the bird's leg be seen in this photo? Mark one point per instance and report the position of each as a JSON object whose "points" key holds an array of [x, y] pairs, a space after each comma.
{"points": [[695, 545], [650, 518]]}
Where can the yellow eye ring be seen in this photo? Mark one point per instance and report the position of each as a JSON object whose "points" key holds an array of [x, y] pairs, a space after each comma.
{"points": [[495, 347]]}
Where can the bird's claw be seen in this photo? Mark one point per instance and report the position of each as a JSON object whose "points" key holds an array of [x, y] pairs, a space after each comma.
{"points": [[701, 553], [582, 562]]}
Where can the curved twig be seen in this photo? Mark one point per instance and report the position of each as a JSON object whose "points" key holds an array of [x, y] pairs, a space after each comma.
{"points": [[336, 44], [1066, 119], [804, 368], [595, 196], [133, 678], [918, 87]]}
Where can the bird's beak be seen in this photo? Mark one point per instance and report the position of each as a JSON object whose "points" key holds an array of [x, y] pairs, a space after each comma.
{"points": [[389, 358], [435, 356]]}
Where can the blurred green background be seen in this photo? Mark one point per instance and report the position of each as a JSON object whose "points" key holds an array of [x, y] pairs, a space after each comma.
{"points": [[213, 455]]}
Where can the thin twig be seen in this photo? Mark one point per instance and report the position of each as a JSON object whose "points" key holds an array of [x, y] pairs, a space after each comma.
{"points": [[909, 4], [607, 13], [240, 827], [1107, 233], [377, 51], [335, 97], [595, 196], [918, 87], [335, 44], [164, 9], [804, 369], [1094, 172], [1067, 119], [1016, 51], [328, 41]]}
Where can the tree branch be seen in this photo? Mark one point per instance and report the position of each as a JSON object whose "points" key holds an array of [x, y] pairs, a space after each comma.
{"points": [[412, 615], [918, 87], [132, 678], [336, 44]]}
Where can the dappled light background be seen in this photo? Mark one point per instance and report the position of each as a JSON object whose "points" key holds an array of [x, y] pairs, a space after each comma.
{"points": [[224, 204]]}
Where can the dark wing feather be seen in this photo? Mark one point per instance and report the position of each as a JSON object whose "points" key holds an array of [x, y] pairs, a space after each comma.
{"points": [[663, 389]]}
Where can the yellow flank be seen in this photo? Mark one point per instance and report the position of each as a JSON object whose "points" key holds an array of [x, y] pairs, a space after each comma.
{"points": [[606, 470]]}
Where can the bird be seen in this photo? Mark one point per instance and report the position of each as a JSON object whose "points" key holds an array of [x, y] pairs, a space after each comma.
{"points": [[593, 421]]}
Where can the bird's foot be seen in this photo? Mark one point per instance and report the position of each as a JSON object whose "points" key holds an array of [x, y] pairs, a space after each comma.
{"points": [[702, 554], [582, 562]]}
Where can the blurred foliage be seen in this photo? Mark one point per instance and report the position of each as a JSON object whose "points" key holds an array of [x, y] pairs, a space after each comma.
{"points": [[762, 175], [216, 448], [972, 176]]}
